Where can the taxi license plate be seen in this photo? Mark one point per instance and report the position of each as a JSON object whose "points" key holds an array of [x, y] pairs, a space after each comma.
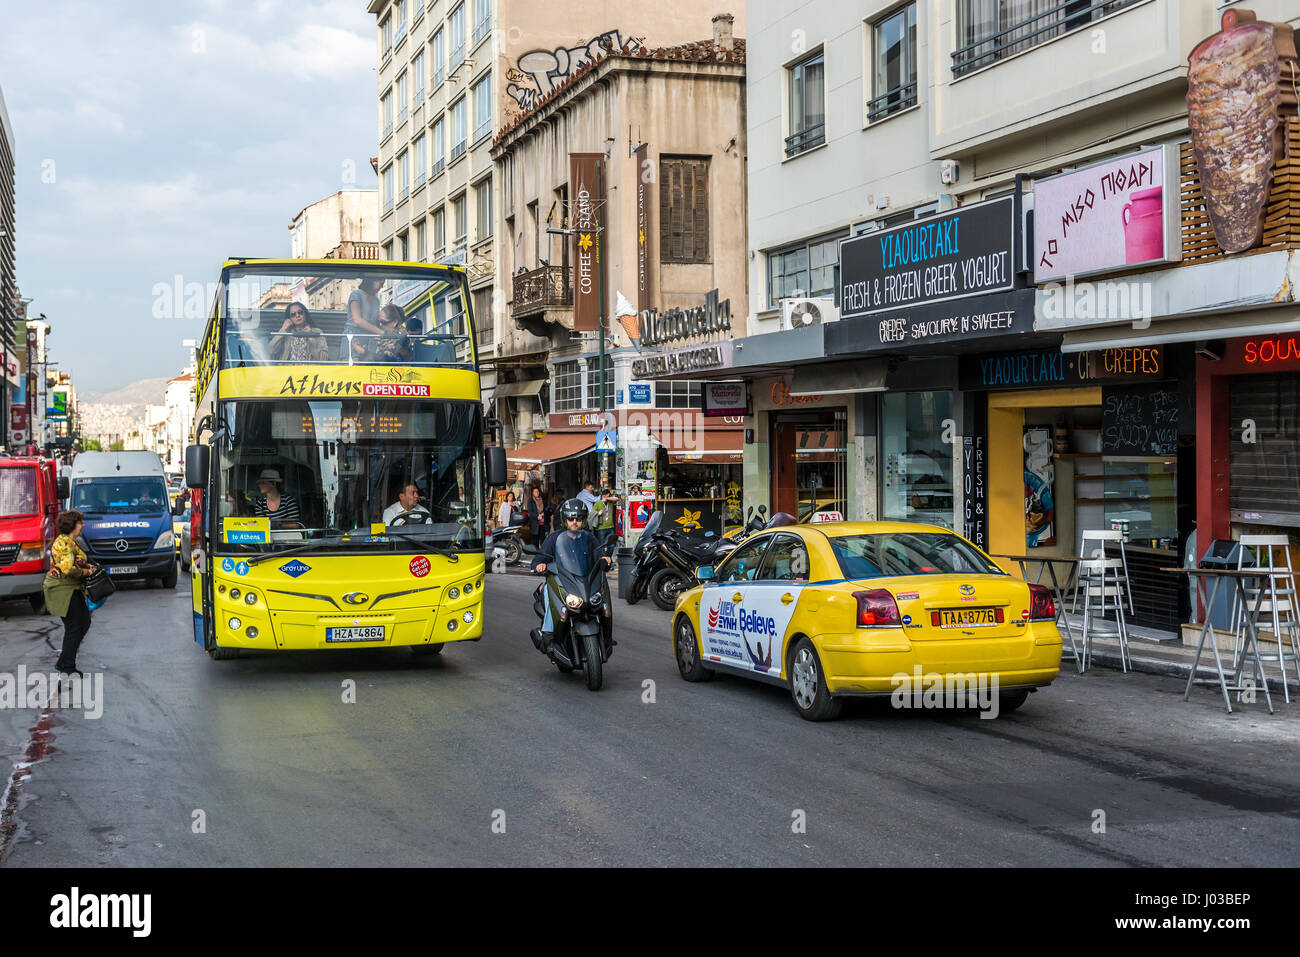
{"points": [[123, 569], [363, 633], [966, 618]]}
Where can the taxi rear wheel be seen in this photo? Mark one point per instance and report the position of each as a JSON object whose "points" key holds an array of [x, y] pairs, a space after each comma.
{"points": [[1012, 700], [812, 699], [688, 653]]}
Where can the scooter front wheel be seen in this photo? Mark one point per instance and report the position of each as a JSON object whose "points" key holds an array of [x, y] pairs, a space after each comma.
{"points": [[593, 666]]}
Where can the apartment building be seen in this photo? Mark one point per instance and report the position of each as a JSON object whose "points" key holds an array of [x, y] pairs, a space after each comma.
{"points": [[10, 384], [437, 113], [939, 193], [320, 230]]}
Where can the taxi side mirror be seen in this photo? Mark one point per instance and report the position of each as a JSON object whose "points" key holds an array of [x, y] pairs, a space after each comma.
{"points": [[704, 573]]}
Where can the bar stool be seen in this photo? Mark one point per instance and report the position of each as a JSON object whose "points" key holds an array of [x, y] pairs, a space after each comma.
{"points": [[1099, 538], [1103, 590], [1277, 607]]}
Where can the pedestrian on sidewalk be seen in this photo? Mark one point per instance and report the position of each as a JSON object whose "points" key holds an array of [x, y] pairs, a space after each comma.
{"points": [[603, 516], [69, 567]]}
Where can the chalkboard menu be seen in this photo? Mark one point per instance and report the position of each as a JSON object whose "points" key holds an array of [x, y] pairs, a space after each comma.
{"points": [[1139, 419]]}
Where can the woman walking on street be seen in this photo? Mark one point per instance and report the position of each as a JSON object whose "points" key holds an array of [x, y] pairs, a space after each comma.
{"points": [[69, 567]]}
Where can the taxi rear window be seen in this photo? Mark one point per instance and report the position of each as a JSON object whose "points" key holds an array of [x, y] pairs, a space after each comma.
{"points": [[908, 553]]}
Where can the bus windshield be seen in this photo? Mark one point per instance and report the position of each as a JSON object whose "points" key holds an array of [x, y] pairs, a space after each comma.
{"points": [[317, 314], [404, 475], [114, 495]]}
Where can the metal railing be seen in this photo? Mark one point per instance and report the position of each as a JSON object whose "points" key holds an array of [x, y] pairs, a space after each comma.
{"points": [[540, 288], [805, 139], [439, 75], [458, 150], [891, 101], [345, 349], [438, 166], [1028, 32], [457, 56], [481, 30]]}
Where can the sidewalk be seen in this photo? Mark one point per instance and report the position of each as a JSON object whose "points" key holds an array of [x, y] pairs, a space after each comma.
{"points": [[1163, 653]]}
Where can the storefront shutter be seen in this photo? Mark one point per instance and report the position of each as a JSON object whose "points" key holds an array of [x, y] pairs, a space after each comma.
{"points": [[1265, 473]]}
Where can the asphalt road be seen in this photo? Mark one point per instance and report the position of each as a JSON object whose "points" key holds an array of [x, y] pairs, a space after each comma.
{"points": [[488, 755]]}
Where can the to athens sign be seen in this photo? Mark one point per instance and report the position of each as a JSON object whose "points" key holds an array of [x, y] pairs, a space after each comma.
{"points": [[965, 252]]}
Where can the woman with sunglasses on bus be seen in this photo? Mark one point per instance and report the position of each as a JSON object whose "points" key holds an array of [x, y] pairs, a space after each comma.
{"points": [[298, 340]]}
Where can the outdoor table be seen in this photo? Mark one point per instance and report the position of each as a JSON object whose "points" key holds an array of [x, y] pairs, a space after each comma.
{"points": [[1251, 643], [1048, 561]]}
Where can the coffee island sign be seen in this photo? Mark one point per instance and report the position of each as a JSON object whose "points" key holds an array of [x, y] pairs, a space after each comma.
{"points": [[588, 219]]}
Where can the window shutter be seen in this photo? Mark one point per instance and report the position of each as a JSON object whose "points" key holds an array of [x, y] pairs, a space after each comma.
{"points": [[684, 210], [700, 212]]}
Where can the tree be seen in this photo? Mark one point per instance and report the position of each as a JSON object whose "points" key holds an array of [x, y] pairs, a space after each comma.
{"points": [[117, 446], [91, 445]]}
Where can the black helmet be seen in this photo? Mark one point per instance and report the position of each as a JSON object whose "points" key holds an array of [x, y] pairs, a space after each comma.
{"points": [[780, 519], [574, 508]]}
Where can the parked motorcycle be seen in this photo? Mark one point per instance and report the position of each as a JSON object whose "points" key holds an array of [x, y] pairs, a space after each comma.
{"points": [[581, 611], [510, 539], [665, 562]]}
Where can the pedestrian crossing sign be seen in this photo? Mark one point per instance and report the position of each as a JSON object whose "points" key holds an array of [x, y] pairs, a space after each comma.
{"points": [[607, 440]]}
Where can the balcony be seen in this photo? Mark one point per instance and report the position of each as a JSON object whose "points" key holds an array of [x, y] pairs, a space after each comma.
{"points": [[540, 289], [438, 166], [894, 101], [458, 151], [1021, 29], [805, 139], [349, 249]]}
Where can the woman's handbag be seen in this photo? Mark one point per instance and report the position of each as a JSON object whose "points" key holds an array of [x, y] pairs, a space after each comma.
{"points": [[98, 587]]}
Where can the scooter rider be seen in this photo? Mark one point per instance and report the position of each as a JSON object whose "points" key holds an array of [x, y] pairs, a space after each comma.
{"points": [[574, 514]]}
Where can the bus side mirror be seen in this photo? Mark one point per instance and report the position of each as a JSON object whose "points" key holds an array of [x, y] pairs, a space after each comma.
{"points": [[496, 466], [197, 458], [64, 490]]}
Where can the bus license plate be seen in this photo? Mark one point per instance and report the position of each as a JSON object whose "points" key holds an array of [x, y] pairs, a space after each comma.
{"points": [[124, 569], [966, 617], [363, 633]]}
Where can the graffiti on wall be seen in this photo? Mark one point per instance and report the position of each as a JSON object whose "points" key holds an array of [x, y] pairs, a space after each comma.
{"points": [[538, 72]]}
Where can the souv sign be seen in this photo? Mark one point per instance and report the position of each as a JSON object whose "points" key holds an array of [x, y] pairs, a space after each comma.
{"points": [[677, 324]]}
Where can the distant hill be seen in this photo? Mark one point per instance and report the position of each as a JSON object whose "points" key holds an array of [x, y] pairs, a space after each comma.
{"points": [[144, 392]]}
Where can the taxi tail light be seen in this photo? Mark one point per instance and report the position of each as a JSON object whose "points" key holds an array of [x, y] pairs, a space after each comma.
{"points": [[877, 609], [1041, 606]]}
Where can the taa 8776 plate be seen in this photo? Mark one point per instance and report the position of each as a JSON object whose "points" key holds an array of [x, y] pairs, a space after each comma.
{"points": [[362, 633], [967, 618]]}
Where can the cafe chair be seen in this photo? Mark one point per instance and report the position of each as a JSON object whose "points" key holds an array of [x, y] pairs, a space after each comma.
{"points": [[1092, 545], [1104, 590], [1270, 555]]}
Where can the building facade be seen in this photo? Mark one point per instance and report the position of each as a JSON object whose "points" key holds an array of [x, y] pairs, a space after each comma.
{"points": [[634, 157], [10, 381], [348, 216], [984, 288]]}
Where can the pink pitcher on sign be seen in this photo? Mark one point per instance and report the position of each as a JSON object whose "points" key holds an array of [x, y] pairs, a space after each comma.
{"points": [[1144, 226]]}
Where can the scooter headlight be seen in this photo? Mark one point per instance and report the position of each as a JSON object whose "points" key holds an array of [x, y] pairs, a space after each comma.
{"points": [[597, 598], [573, 601]]}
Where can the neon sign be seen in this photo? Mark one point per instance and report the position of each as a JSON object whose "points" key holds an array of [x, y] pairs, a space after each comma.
{"points": [[1268, 351]]}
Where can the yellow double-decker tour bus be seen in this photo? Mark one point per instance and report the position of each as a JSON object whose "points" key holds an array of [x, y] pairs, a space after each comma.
{"points": [[340, 469]]}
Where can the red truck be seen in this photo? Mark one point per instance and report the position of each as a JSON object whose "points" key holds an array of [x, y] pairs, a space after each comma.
{"points": [[29, 502]]}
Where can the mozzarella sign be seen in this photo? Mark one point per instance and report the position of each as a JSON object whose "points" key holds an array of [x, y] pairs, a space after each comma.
{"points": [[747, 633]]}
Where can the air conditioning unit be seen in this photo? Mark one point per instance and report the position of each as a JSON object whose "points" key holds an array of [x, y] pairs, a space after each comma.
{"points": [[799, 313]]}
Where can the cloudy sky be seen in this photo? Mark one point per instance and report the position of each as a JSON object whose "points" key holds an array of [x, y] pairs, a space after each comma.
{"points": [[155, 139]]}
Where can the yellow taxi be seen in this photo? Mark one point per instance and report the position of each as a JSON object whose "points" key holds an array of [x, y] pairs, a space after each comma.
{"points": [[843, 609]]}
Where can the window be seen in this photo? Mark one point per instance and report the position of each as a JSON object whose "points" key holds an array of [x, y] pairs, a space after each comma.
{"points": [[458, 114], [593, 383], [567, 382], [439, 233], [404, 174], [786, 560], [386, 38], [483, 107], [484, 320], [458, 220], [438, 53], [483, 202], [403, 248], [421, 162], [419, 242], [388, 252], [991, 30], [807, 105], [917, 484], [808, 269], [387, 110], [742, 564], [894, 42], [674, 394], [482, 19], [417, 68], [403, 97], [457, 19], [439, 145], [401, 21], [388, 191], [683, 210]]}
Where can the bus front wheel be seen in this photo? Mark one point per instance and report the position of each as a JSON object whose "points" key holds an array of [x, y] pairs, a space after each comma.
{"points": [[434, 649]]}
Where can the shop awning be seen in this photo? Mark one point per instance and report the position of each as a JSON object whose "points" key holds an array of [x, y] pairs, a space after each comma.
{"points": [[555, 447], [716, 447], [527, 387]]}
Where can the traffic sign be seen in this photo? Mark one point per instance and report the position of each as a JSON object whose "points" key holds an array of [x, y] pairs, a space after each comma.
{"points": [[607, 440]]}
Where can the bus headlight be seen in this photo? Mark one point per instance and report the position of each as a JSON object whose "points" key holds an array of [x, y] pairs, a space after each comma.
{"points": [[234, 624], [251, 631], [469, 587], [451, 625], [165, 540], [467, 618], [250, 598], [234, 593], [453, 592]]}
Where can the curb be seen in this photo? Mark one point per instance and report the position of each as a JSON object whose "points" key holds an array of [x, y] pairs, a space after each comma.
{"points": [[1172, 669]]}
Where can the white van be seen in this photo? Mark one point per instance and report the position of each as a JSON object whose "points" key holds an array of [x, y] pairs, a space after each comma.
{"points": [[123, 496]]}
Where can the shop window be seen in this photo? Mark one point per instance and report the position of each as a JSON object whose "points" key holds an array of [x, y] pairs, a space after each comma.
{"points": [[683, 210], [1265, 473], [567, 379], [916, 433], [593, 383], [679, 395]]}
